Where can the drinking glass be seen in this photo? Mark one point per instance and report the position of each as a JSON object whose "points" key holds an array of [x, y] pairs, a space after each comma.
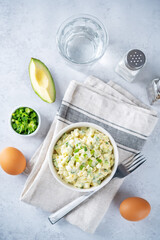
{"points": [[82, 39]]}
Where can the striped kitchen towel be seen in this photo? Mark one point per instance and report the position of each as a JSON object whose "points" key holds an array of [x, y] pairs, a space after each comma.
{"points": [[107, 104]]}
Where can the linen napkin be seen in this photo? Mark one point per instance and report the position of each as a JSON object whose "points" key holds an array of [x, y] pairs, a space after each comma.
{"points": [[107, 104]]}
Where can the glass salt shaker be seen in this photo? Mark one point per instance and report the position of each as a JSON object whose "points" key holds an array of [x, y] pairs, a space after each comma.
{"points": [[154, 91], [131, 64]]}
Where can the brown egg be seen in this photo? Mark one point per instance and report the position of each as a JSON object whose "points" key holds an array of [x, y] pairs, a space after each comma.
{"points": [[12, 161], [134, 209]]}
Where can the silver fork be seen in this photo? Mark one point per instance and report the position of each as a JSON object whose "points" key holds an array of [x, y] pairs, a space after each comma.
{"points": [[129, 165], [125, 168]]}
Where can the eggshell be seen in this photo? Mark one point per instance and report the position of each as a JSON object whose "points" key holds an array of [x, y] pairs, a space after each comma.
{"points": [[12, 161], [134, 209]]}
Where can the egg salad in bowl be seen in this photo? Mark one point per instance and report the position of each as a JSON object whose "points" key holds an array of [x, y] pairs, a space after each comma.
{"points": [[84, 156]]}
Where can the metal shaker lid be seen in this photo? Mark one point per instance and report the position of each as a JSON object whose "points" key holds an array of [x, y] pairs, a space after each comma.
{"points": [[135, 59]]}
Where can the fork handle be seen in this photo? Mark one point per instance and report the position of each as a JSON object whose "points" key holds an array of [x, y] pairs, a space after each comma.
{"points": [[56, 216]]}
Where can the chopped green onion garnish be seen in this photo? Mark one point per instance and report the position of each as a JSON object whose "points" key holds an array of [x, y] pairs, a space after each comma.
{"points": [[55, 163], [76, 158], [85, 149], [99, 160], [92, 151], [81, 167], [90, 162], [24, 120], [76, 150]]}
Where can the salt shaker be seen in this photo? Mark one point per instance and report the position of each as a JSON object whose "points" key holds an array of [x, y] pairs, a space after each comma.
{"points": [[131, 64], [154, 91]]}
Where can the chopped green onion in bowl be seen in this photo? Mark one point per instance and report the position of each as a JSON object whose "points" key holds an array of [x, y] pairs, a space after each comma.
{"points": [[25, 121]]}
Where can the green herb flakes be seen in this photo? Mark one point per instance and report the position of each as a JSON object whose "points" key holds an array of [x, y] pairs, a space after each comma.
{"points": [[24, 120], [76, 150], [99, 160], [85, 149], [81, 166]]}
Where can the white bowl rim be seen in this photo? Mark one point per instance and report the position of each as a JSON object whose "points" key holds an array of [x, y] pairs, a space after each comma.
{"points": [[67, 129], [39, 121]]}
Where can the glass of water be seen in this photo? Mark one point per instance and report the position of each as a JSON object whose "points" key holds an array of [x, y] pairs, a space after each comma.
{"points": [[82, 39]]}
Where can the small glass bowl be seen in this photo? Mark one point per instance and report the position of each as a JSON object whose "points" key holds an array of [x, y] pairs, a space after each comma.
{"points": [[39, 122], [82, 39]]}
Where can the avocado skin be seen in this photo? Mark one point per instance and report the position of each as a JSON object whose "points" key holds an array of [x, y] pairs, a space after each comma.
{"points": [[45, 67]]}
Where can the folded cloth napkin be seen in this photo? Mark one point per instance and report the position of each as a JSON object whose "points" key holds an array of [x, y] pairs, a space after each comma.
{"points": [[107, 104]]}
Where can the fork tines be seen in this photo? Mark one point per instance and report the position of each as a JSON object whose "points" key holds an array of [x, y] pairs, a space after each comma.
{"points": [[137, 160]]}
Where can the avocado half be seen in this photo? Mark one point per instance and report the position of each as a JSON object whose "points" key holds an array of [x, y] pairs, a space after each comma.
{"points": [[42, 81]]}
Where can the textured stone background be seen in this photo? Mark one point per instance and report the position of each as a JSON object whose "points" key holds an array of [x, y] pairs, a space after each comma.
{"points": [[28, 29]]}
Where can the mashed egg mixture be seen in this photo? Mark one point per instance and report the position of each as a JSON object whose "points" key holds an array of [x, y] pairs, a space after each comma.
{"points": [[83, 157]]}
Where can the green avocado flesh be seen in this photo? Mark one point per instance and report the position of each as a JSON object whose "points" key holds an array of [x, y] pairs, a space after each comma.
{"points": [[42, 81]]}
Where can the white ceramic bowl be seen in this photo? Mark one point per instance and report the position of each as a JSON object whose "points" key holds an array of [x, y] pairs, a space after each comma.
{"points": [[26, 135], [68, 129]]}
